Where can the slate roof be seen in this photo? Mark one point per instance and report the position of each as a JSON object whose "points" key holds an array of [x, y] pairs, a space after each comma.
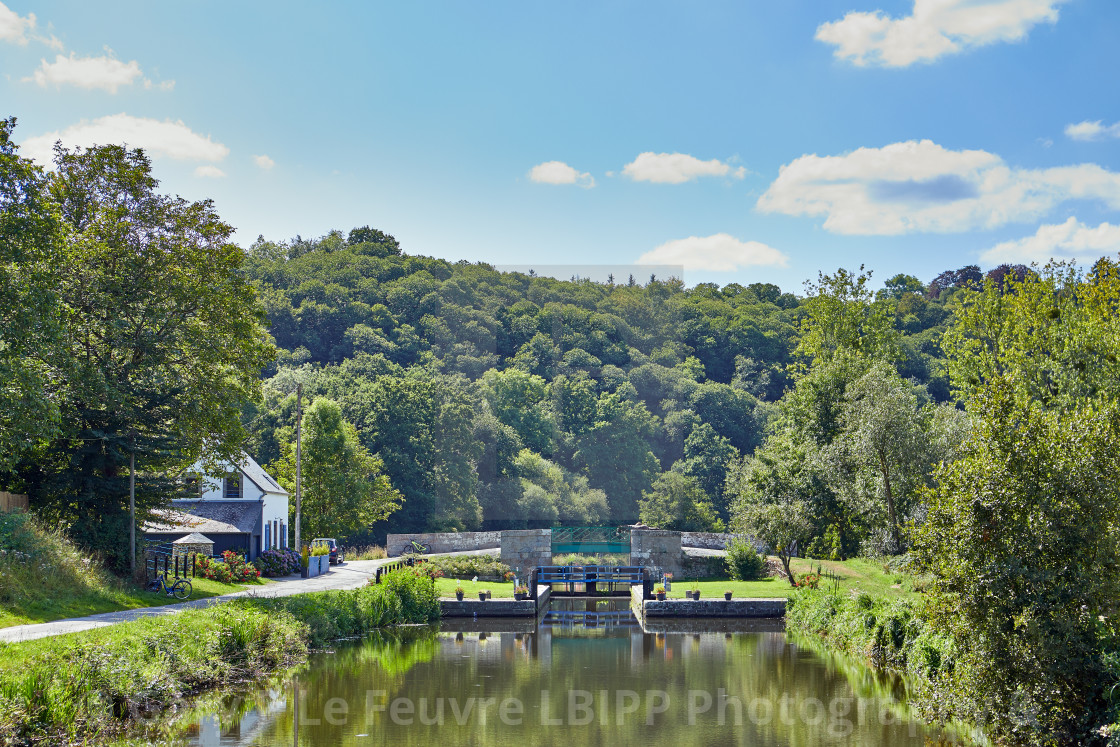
{"points": [[170, 521], [245, 516]]}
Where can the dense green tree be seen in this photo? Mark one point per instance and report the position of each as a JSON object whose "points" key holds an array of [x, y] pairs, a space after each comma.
{"points": [[31, 250], [343, 488], [841, 315], [615, 453], [1021, 541], [885, 445], [517, 399], [676, 501], [163, 338]]}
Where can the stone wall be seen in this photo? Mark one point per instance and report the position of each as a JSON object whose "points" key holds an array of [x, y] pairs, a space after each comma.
{"points": [[524, 549], [444, 541], [703, 566], [713, 540], [714, 608], [656, 548]]}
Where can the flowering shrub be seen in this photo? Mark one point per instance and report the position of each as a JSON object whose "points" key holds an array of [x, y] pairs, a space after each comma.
{"points": [[810, 581], [431, 571], [232, 567], [273, 563]]}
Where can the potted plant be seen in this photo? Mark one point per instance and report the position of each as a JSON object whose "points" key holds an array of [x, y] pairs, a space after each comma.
{"points": [[305, 563], [695, 594], [488, 594], [521, 593], [459, 593], [727, 595], [481, 595], [660, 592]]}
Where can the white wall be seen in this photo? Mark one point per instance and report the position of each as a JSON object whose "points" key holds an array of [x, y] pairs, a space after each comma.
{"points": [[275, 510]]}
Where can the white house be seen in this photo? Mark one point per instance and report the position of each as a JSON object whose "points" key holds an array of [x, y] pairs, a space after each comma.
{"points": [[239, 506]]}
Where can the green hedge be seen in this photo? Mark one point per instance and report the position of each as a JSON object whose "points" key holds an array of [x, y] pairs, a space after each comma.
{"points": [[97, 683]]}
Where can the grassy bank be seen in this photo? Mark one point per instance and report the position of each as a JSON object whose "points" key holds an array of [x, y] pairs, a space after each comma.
{"points": [[44, 577], [111, 681]]}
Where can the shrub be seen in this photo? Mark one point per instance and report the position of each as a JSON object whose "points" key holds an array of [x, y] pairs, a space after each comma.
{"points": [[744, 563], [274, 563], [231, 568], [469, 566]]}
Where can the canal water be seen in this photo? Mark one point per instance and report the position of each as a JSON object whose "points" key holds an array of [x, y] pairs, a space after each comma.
{"points": [[586, 674]]}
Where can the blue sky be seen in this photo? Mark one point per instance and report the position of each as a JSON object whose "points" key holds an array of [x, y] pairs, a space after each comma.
{"points": [[748, 141]]}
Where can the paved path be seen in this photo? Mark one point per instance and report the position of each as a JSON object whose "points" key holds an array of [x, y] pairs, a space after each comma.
{"points": [[350, 575]]}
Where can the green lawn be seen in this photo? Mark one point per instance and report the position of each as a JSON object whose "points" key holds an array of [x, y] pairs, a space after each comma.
{"points": [[34, 608], [856, 574], [446, 588]]}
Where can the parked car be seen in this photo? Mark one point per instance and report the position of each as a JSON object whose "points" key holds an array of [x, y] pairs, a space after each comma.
{"points": [[331, 542]]}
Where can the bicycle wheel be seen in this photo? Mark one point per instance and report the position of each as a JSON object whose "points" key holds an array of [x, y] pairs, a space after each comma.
{"points": [[182, 589]]}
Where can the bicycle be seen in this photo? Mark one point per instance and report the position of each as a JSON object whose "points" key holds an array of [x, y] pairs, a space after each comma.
{"points": [[181, 589], [416, 548]]}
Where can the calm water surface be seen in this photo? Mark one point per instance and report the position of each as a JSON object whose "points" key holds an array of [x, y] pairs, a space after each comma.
{"points": [[587, 675]]}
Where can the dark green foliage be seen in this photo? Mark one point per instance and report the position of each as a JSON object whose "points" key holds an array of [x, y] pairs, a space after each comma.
{"points": [[744, 563], [449, 370], [1020, 539]]}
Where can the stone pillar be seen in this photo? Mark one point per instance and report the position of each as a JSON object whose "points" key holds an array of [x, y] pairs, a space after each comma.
{"points": [[525, 549], [656, 548]]}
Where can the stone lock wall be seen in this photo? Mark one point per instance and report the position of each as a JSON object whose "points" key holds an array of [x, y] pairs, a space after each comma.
{"points": [[658, 548], [524, 549]]}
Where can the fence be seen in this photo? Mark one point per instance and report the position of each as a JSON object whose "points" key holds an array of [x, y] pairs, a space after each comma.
{"points": [[160, 560], [13, 502]]}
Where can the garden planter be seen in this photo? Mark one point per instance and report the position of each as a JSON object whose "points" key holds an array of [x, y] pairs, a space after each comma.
{"points": [[520, 597], [696, 595], [459, 595], [661, 596], [727, 595], [482, 596]]}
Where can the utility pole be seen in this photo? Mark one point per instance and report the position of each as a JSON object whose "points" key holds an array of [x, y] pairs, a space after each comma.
{"points": [[132, 507], [299, 456]]}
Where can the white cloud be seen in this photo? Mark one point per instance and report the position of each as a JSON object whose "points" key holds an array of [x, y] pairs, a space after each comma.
{"points": [[676, 168], [1070, 240], [172, 139], [209, 172], [933, 29], [104, 72], [1092, 130], [718, 253], [264, 162], [165, 85], [13, 27], [558, 172], [920, 186]]}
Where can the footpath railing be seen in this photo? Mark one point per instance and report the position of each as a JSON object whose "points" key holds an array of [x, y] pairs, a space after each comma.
{"points": [[388, 568]]}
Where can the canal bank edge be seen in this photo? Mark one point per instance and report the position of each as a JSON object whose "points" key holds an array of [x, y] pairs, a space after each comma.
{"points": [[749, 608]]}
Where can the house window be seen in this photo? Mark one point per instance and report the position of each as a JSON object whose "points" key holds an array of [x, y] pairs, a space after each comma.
{"points": [[233, 485], [268, 535], [193, 486], [284, 535]]}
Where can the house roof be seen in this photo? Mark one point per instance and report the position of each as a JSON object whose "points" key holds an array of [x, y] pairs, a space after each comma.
{"points": [[244, 516], [260, 478], [171, 521], [253, 471]]}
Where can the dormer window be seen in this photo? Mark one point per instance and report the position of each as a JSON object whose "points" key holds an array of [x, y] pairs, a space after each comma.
{"points": [[232, 485]]}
